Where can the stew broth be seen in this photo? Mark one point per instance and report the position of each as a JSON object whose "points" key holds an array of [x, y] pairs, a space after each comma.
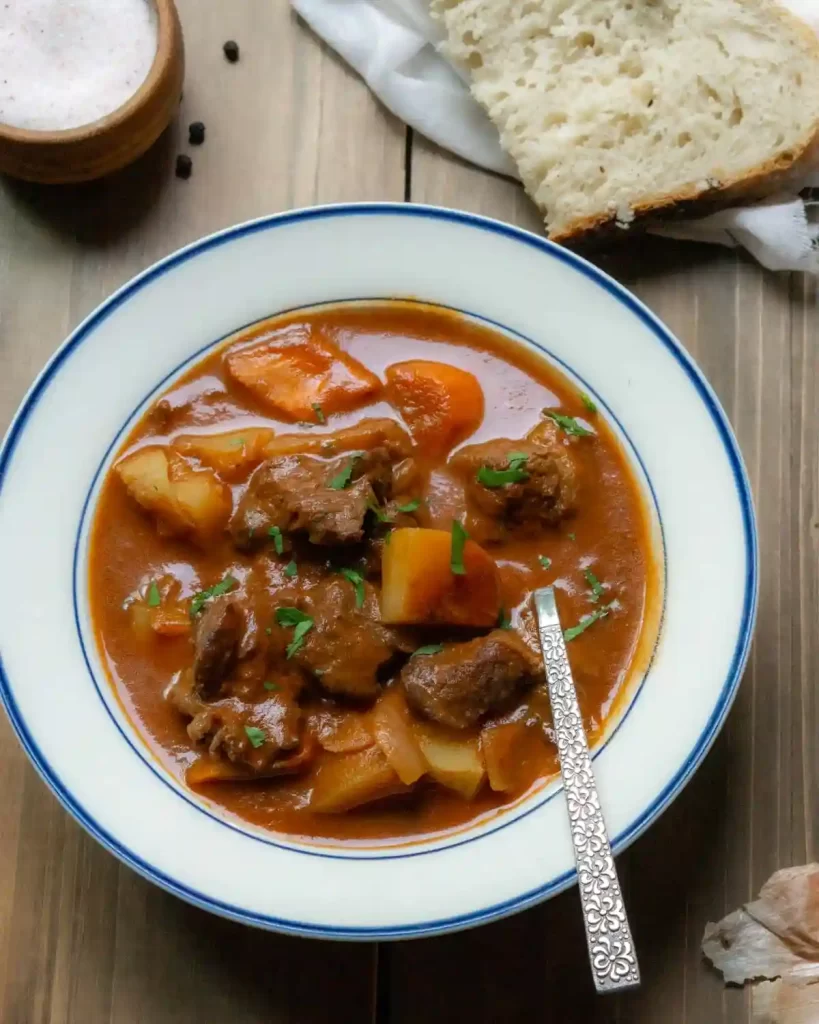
{"points": [[599, 558]]}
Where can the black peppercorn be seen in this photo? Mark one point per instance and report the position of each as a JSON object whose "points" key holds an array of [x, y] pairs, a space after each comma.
{"points": [[231, 49], [184, 166], [196, 133]]}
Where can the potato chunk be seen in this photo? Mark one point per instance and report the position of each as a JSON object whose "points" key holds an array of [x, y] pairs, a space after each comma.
{"points": [[503, 748], [454, 761], [231, 453], [514, 753], [146, 475], [184, 501], [419, 585], [297, 371], [349, 780]]}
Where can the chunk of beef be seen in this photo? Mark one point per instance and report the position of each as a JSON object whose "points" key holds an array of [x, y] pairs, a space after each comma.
{"points": [[347, 646], [545, 495], [217, 634], [293, 492], [466, 680], [223, 724]]}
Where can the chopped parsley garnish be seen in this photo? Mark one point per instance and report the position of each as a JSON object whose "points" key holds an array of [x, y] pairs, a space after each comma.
{"points": [[572, 536], [302, 625], [268, 630], [199, 601], [291, 569], [568, 424], [256, 736], [588, 402], [237, 442], [544, 561], [429, 649], [342, 480], [290, 616], [515, 474], [317, 409], [411, 506], [504, 619], [154, 597], [595, 584], [278, 540], [459, 539], [378, 512], [585, 622], [271, 686], [357, 581]]}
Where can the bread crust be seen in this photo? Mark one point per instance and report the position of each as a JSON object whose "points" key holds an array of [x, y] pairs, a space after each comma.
{"points": [[772, 176], [776, 173]]}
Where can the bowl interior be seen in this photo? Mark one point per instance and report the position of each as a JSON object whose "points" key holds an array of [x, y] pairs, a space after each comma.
{"points": [[543, 790]]}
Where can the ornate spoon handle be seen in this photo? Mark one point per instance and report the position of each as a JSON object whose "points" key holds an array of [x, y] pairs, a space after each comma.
{"points": [[611, 947]]}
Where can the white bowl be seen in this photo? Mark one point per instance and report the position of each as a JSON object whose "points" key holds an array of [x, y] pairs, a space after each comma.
{"points": [[56, 692]]}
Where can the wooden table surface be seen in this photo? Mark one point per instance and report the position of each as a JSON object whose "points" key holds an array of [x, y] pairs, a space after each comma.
{"points": [[82, 938]]}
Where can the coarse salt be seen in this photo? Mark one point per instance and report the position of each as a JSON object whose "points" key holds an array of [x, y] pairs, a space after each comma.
{"points": [[66, 63]]}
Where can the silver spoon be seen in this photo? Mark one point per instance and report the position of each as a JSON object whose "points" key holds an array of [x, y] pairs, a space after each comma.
{"points": [[611, 947]]}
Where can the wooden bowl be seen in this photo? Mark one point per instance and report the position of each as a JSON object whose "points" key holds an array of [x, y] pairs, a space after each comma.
{"points": [[106, 145]]}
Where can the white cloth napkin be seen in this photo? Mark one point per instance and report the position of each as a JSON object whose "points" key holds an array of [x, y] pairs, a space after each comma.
{"points": [[392, 44]]}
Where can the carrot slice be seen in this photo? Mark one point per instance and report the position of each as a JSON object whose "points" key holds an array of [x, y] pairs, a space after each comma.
{"points": [[301, 374], [214, 769], [420, 587], [441, 404]]}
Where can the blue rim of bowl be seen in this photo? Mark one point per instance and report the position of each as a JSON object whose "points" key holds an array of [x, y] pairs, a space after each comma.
{"points": [[733, 676], [507, 816]]}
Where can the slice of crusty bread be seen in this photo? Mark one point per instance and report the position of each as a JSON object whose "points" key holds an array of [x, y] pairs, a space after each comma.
{"points": [[619, 108]]}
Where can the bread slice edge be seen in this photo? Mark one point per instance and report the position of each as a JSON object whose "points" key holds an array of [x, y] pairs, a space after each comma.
{"points": [[766, 179], [776, 173]]}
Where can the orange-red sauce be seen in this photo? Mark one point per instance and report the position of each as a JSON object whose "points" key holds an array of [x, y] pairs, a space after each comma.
{"points": [[610, 533]]}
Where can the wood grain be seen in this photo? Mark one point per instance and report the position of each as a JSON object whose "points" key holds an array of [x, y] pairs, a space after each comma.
{"points": [[82, 939]]}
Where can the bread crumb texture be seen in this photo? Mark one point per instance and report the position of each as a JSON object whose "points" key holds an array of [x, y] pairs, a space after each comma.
{"points": [[608, 108]]}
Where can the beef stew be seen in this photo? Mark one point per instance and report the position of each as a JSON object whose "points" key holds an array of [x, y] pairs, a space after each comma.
{"points": [[310, 567]]}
